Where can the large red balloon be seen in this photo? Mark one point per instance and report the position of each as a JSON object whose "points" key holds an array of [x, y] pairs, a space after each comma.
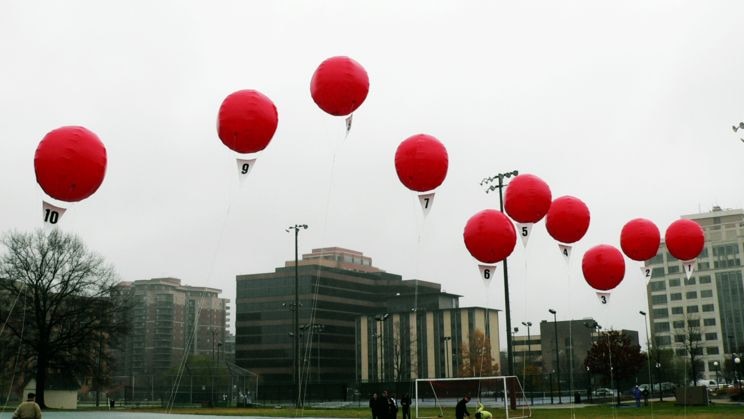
{"points": [[567, 219], [527, 199], [640, 239], [490, 236], [685, 239], [70, 163], [247, 121], [339, 85], [421, 162], [603, 267]]}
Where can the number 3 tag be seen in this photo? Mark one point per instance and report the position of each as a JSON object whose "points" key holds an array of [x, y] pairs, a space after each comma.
{"points": [[51, 214], [604, 297]]}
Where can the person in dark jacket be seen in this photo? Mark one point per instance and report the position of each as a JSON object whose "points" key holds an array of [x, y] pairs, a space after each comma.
{"points": [[461, 410], [373, 402], [405, 404]]}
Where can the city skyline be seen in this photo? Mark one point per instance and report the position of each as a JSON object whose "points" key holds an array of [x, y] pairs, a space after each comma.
{"points": [[636, 123]]}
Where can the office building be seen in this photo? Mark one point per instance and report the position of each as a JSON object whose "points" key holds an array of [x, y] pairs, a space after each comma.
{"points": [[709, 306], [335, 287]]}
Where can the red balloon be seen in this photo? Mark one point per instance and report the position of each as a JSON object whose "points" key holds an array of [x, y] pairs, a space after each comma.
{"points": [[339, 85], [567, 219], [421, 162], [603, 267], [490, 236], [527, 199], [247, 121], [685, 239], [640, 239], [70, 163]]}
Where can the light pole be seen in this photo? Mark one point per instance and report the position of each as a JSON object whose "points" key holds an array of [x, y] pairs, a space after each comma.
{"points": [[718, 369], [381, 327], [529, 350], [516, 329], [296, 228], [737, 361], [446, 339], [648, 353], [658, 375], [500, 177], [557, 360]]}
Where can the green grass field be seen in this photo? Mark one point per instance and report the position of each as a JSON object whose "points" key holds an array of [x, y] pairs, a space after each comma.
{"points": [[656, 410]]}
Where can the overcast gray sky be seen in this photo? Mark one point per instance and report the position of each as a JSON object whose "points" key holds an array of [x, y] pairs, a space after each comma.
{"points": [[626, 105]]}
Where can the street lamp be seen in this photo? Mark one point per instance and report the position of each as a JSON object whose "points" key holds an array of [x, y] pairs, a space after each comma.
{"points": [[648, 353], [529, 349], [718, 369], [380, 318], [737, 361], [557, 361], [296, 228], [658, 375], [500, 177], [446, 339], [516, 330]]}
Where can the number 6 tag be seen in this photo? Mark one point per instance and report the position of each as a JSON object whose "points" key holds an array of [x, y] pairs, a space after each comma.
{"points": [[51, 214], [487, 271]]}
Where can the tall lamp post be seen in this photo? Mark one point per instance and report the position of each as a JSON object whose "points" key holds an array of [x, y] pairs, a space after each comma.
{"points": [[381, 326], [500, 186], [737, 361], [648, 354], [296, 228], [718, 371], [557, 360], [446, 339], [529, 350], [658, 376]]}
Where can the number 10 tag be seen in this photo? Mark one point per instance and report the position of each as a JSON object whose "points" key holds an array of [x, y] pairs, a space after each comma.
{"points": [[51, 214]]}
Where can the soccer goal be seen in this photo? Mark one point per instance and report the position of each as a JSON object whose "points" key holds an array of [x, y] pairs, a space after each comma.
{"points": [[503, 396]]}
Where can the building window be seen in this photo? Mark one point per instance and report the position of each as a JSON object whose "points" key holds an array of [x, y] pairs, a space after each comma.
{"points": [[679, 338], [677, 310], [703, 266], [679, 324], [673, 269], [705, 279], [691, 295], [706, 293], [690, 281], [659, 258], [674, 282], [694, 323], [708, 308], [709, 322], [676, 296], [661, 327], [660, 313], [711, 336], [663, 340], [712, 350], [692, 309], [657, 272], [658, 285], [658, 299]]}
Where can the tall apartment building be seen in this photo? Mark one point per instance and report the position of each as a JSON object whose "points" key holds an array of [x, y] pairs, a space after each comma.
{"points": [[169, 321], [335, 286], [711, 303]]}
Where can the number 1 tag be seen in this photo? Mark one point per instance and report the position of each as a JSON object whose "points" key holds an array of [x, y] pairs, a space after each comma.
{"points": [[426, 200], [245, 167], [646, 272], [565, 251], [51, 214], [689, 267], [524, 230], [604, 297], [487, 271]]}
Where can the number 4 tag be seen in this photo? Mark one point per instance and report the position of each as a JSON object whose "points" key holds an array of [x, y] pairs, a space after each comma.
{"points": [[51, 214], [487, 271]]}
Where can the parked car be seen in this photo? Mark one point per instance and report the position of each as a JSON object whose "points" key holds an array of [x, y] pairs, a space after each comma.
{"points": [[604, 392], [666, 387]]}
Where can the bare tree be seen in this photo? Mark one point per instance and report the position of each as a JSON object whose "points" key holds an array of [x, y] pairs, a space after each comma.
{"points": [[691, 339], [63, 308], [402, 361]]}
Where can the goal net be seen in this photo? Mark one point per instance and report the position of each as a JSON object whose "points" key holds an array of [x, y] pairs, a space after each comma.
{"points": [[503, 396]]}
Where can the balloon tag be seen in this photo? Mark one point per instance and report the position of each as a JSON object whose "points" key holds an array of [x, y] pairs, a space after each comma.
{"points": [[524, 230], [426, 200], [646, 272], [604, 297], [689, 266], [348, 123], [565, 251], [245, 167], [487, 271], [51, 214]]}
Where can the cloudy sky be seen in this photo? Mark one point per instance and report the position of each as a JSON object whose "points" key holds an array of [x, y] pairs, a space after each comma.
{"points": [[626, 105]]}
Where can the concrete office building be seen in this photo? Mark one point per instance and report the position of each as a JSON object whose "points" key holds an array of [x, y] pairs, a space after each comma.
{"points": [[169, 321], [711, 303], [336, 286]]}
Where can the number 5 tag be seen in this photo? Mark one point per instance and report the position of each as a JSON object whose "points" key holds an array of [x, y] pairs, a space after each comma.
{"points": [[524, 230]]}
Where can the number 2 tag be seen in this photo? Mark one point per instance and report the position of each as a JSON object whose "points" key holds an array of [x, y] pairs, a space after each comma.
{"points": [[51, 214], [646, 272]]}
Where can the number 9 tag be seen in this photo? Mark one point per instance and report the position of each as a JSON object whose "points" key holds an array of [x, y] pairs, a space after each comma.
{"points": [[244, 167]]}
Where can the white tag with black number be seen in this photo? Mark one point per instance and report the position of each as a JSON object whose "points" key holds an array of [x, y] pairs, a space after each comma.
{"points": [[565, 251], [604, 297], [51, 214], [524, 230], [487, 271], [689, 267], [426, 200], [348, 120], [244, 167], [646, 272]]}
